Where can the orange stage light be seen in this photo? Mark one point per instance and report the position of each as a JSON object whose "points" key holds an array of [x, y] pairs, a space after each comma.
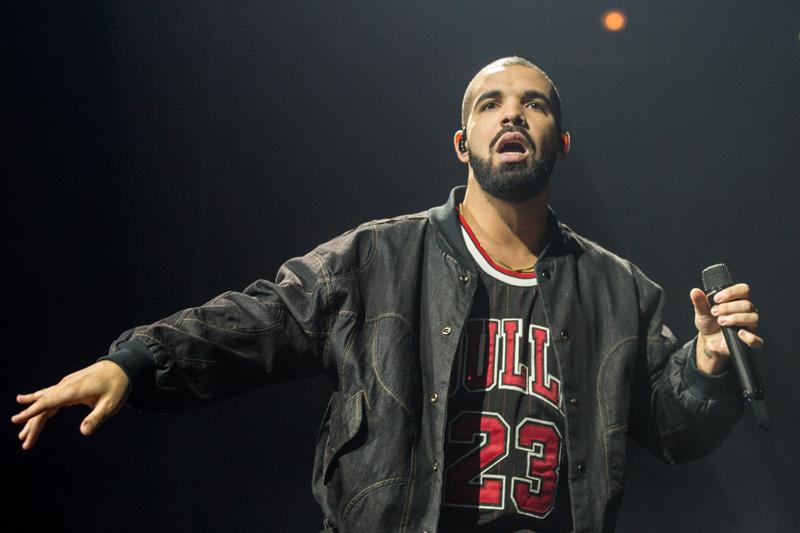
{"points": [[614, 20]]}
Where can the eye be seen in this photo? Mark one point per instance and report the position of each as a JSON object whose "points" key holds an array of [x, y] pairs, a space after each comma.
{"points": [[536, 105], [487, 105]]}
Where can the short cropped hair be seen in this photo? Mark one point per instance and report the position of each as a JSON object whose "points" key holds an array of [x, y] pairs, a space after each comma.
{"points": [[466, 103]]}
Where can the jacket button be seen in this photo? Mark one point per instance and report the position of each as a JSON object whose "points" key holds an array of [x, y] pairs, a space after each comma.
{"points": [[581, 468], [565, 334], [464, 278], [546, 274], [446, 330], [573, 402], [435, 466], [434, 397]]}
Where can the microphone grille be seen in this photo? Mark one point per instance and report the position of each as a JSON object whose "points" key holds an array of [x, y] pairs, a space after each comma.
{"points": [[716, 277]]}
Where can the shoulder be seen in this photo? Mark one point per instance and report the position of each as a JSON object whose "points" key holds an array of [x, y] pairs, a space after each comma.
{"points": [[357, 248], [592, 254]]}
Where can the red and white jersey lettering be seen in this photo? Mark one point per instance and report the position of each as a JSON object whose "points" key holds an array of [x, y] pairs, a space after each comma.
{"points": [[535, 494], [484, 347], [505, 454], [492, 435], [542, 383], [514, 374]]}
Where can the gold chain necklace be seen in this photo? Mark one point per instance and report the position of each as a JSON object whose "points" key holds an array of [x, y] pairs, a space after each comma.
{"points": [[501, 262], [509, 267]]}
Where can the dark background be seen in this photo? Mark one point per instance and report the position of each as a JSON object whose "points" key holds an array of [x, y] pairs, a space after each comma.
{"points": [[159, 153]]}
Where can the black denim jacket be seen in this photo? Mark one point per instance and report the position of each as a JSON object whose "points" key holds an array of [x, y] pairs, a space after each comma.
{"points": [[380, 310]]}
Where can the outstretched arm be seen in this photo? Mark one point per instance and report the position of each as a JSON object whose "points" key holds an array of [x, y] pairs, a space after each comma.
{"points": [[103, 387], [236, 342]]}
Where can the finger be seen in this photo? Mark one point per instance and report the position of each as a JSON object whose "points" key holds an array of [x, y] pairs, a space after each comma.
{"points": [[34, 428], [33, 396], [737, 306], [734, 292], [751, 339], [28, 399], [24, 433], [699, 301], [30, 433], [26, 414], [95, 419], [34, 410], [54, 398], [744, 320]]}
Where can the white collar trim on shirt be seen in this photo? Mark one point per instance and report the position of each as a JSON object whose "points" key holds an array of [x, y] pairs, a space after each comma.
{"points": [[489, 269]]}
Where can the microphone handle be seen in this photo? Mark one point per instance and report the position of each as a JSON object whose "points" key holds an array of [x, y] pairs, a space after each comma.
{"points": [[716, 278], [746, 369], [749, 377]]}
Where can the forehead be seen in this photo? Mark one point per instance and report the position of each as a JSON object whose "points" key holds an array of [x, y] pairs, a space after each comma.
{"points": [[512, 79]]}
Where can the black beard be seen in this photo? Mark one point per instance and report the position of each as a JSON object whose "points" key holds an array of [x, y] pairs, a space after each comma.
{"points": [[512, 182]]}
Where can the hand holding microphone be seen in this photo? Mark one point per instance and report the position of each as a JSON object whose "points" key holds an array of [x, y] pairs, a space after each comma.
{"points": [[726, 321]]}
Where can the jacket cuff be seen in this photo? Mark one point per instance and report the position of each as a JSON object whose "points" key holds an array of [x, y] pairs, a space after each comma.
{"points": [[708, 386], [133, 356]]}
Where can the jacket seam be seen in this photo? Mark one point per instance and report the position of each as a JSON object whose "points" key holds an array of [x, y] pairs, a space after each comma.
{"points": [[211, 303], [363, 266], [363, 492], [601, 402], [321, 266], [233, 330], [601, 374], [388, 315], [182, 317], [378, 375], [363, 393], [613, 428], [146, 336], [348, 349]]}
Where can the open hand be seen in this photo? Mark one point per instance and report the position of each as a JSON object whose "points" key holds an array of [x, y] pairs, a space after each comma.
{"points": [[102, 386]]}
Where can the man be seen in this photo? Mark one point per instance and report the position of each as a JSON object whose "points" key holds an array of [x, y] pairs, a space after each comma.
{"points": [[487, 362]]}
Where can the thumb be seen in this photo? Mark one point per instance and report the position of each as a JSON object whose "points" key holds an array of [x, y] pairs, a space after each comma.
{"points": [[700, 302], [704, 321], [95, 419]]}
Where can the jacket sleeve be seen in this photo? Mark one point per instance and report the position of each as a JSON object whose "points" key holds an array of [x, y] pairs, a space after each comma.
{"points": [[238, 341], [677, 412]]}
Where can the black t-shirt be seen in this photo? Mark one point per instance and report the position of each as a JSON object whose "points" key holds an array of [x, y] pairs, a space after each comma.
{"points": [[505, 449]]}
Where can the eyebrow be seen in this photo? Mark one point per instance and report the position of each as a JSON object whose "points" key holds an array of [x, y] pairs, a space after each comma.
{"points": [[530, 94]]}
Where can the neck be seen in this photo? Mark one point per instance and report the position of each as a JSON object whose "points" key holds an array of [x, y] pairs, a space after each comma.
{"points": [[515, 233]]}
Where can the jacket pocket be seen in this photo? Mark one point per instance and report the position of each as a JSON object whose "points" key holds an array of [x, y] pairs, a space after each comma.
{"points": [[346, 424]]}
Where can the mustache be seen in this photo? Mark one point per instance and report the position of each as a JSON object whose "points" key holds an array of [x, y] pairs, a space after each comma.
{"points": [[513, 129]]}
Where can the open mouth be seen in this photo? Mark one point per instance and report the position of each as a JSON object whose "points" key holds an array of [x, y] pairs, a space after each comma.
{"points": [[513, 147]]}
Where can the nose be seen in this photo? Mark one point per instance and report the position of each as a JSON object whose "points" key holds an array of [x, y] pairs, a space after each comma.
{"points": [[513, 116]]}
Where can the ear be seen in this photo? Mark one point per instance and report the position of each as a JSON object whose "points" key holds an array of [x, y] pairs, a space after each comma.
{"points": [[462, 156], [564, 145]]}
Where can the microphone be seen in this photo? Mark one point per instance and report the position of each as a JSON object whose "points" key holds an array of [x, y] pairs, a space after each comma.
{"points": [[715, 278]]}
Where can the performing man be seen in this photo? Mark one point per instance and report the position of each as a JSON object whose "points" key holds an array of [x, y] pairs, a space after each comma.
{"points": [[487, 362]]}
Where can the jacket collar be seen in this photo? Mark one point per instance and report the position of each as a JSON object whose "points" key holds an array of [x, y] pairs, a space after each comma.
{"points": [[444, 219]]}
